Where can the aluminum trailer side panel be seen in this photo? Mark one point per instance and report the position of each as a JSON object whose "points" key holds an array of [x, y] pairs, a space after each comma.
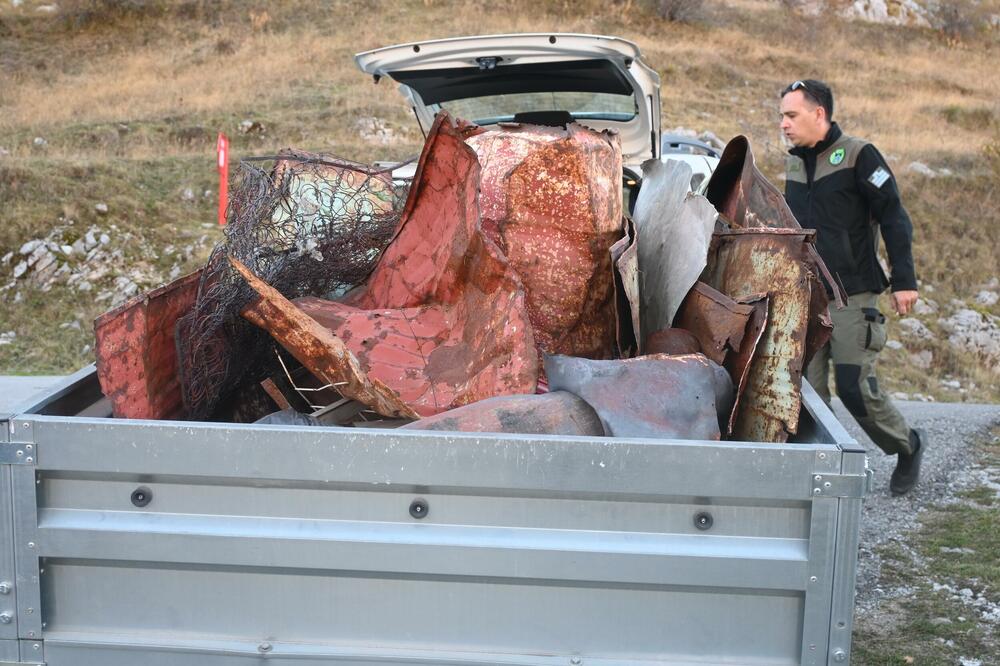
{"points": [[180, 543]]}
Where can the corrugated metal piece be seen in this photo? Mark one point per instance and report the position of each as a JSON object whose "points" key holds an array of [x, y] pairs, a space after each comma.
{"points": [[553, 413], [675, 229], [442, 321], [136, 354], [552, 201], [318, 349], [666, 397], [742, 264]]}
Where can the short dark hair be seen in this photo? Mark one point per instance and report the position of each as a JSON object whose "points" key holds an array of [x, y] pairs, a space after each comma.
{"points": [[815, 91]]}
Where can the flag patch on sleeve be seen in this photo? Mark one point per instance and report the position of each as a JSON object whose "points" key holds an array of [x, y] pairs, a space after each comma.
{"points": [[878, 177]]}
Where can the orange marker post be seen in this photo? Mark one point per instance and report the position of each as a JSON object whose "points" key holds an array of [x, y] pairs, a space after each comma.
{"points": [[222, 148]]}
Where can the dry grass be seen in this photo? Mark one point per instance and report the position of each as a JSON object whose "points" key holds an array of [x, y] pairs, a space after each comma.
{"points": [[131, 83]]}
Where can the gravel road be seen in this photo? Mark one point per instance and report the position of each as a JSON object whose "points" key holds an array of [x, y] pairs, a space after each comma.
{"points": [[947, 468]]}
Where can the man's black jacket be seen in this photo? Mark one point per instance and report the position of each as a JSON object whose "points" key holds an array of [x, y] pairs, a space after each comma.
{"points": [[842, 187]]}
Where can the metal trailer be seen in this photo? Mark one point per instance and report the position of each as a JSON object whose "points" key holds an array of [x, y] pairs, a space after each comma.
{"points": [[164, 543]]}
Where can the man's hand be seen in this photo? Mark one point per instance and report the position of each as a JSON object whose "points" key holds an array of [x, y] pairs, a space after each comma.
{"points": [[902, 301]]}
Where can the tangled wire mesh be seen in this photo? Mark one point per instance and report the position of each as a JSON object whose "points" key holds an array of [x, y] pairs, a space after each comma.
{"points": [[310, 226]]}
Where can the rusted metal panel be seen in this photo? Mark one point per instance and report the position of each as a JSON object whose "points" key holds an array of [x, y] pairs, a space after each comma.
{"points": [[625, 260], [743, 264], [741, 193], [673, 341], [442, 320], [746, 199], [317, 348], [136, 354], [552, 201], [554, 413], [675, 230], [667, 397], [717, 321], [738, 363]]}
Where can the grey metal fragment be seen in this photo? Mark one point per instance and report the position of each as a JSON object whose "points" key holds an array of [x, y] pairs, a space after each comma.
{"points": [[674, 228]]}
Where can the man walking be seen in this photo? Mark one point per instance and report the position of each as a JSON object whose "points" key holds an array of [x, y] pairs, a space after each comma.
{"points": [[843, 188]]}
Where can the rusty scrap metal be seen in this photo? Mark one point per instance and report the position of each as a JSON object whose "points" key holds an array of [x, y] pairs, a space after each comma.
{"points": [[625, 263], [744, 263], [317, 348], [746, 199], [312, 225], [675, 230], [442, 320], [136, 353], [673, 341], [739, 362], [666, 397], [553, 413], [552, 201], [717, 321]]}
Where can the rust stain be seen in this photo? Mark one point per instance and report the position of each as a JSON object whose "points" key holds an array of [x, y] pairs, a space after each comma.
{"points": [[136, 353]]}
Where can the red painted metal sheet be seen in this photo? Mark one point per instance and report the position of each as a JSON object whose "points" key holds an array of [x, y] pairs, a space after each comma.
{"points": [[554, 413], [666, 397], [315, 347], [136, 354], [442, 320], [552, 201]]}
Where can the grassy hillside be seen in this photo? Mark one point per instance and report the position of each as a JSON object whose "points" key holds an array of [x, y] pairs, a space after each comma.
{"points": [[118, 102]]}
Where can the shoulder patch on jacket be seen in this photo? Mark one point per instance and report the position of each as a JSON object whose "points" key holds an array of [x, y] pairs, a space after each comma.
{"points": [[878, 177]]}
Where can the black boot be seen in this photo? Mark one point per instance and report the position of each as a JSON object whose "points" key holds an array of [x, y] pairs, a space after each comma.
{"points": [[907, 471]]}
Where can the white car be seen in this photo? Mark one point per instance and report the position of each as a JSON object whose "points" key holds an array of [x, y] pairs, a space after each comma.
{"points": [[541, 78]]}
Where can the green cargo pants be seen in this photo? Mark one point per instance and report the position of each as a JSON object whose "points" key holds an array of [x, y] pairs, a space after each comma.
{"points": [[858, 336]]}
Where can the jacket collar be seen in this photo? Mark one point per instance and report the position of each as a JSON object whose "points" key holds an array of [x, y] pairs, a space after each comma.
{"points": [[831, 137]]}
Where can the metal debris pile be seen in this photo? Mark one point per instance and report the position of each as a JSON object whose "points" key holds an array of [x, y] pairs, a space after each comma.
{"points": [[508, 293]]}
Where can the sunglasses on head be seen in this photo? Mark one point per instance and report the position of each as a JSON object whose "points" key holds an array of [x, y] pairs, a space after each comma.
{"points": [[798, 85]]}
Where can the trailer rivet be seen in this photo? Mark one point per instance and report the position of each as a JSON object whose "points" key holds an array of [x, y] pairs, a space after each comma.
{"points": [[5, 587], [28, 447], [264, 647], [839, 656], [25, 425], [31, 634], [827, 485], [575, 661], [31, 544], [36, 646], [813, 579], [29, 459], [6, 618], [20, 453], [816, 491], [29, 611], [822, 456], [818, 477]]}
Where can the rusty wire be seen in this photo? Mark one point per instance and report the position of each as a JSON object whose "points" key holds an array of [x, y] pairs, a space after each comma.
{"points": [[310, 226]]}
